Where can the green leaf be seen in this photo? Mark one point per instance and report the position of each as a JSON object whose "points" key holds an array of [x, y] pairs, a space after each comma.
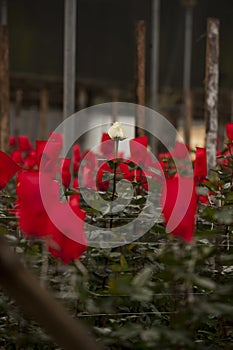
{"points": [[204, 282], [114, 254], [202, 191], [107, 176], [229, 197], [132, 166], [3, 230], [120, 285], [224, 215], [208, 213], [71, 192], [123, 262], [142, 277]]}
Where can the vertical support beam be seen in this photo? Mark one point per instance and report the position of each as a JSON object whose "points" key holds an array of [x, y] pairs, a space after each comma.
{"points": [[211, 90], [140, 77], [4, 78], [155, 30], [154, 68], [44, 101], [69, 58], [187, 70]]}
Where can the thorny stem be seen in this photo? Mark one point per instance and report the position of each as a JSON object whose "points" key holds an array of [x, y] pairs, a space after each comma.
{"points": [[114, 179]]}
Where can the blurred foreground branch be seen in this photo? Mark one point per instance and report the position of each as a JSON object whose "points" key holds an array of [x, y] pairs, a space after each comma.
{"points": [[38, 303]]}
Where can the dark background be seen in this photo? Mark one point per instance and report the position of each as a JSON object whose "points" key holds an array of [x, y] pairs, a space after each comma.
{"points": [[106, 40]]}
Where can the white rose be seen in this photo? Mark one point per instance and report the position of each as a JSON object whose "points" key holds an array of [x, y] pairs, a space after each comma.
{"points": [[117, 132]]}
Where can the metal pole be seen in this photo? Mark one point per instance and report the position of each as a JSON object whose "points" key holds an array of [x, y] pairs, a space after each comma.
{"points": [[211, 90], [188, 47], [69, 58]]}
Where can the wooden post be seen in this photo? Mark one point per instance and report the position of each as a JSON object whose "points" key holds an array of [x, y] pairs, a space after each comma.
{"points": [[154, 69], [4, 79], [44, 97], [155, 54], [140, 77], [187, 69], [211, 90]]}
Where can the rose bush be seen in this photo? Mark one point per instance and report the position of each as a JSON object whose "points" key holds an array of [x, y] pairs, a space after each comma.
{"points": [[166, 290]]}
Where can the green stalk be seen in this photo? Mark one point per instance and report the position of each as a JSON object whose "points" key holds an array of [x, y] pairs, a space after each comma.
{"points": [[114, 178]]}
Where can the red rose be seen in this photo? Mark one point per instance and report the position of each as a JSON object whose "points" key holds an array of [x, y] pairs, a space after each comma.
{"points": [[8, 168], [185, 228]]}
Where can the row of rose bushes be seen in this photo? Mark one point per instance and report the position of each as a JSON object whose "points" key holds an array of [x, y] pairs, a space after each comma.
{"points": [[27, 161]]}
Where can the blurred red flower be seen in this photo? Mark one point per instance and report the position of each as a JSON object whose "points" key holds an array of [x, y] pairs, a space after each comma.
{"points": [[180, 150], [16, 156], [76, 157], [33, 218], [138, 150], [61, 245], [24, 143], [107, 146], [122, 172], [30, 161], [8, 168], [229, 131], [12, 141], [65, 171], [103, 185], [185, 227], [47, 153], [56, 137], [200, 164]]}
